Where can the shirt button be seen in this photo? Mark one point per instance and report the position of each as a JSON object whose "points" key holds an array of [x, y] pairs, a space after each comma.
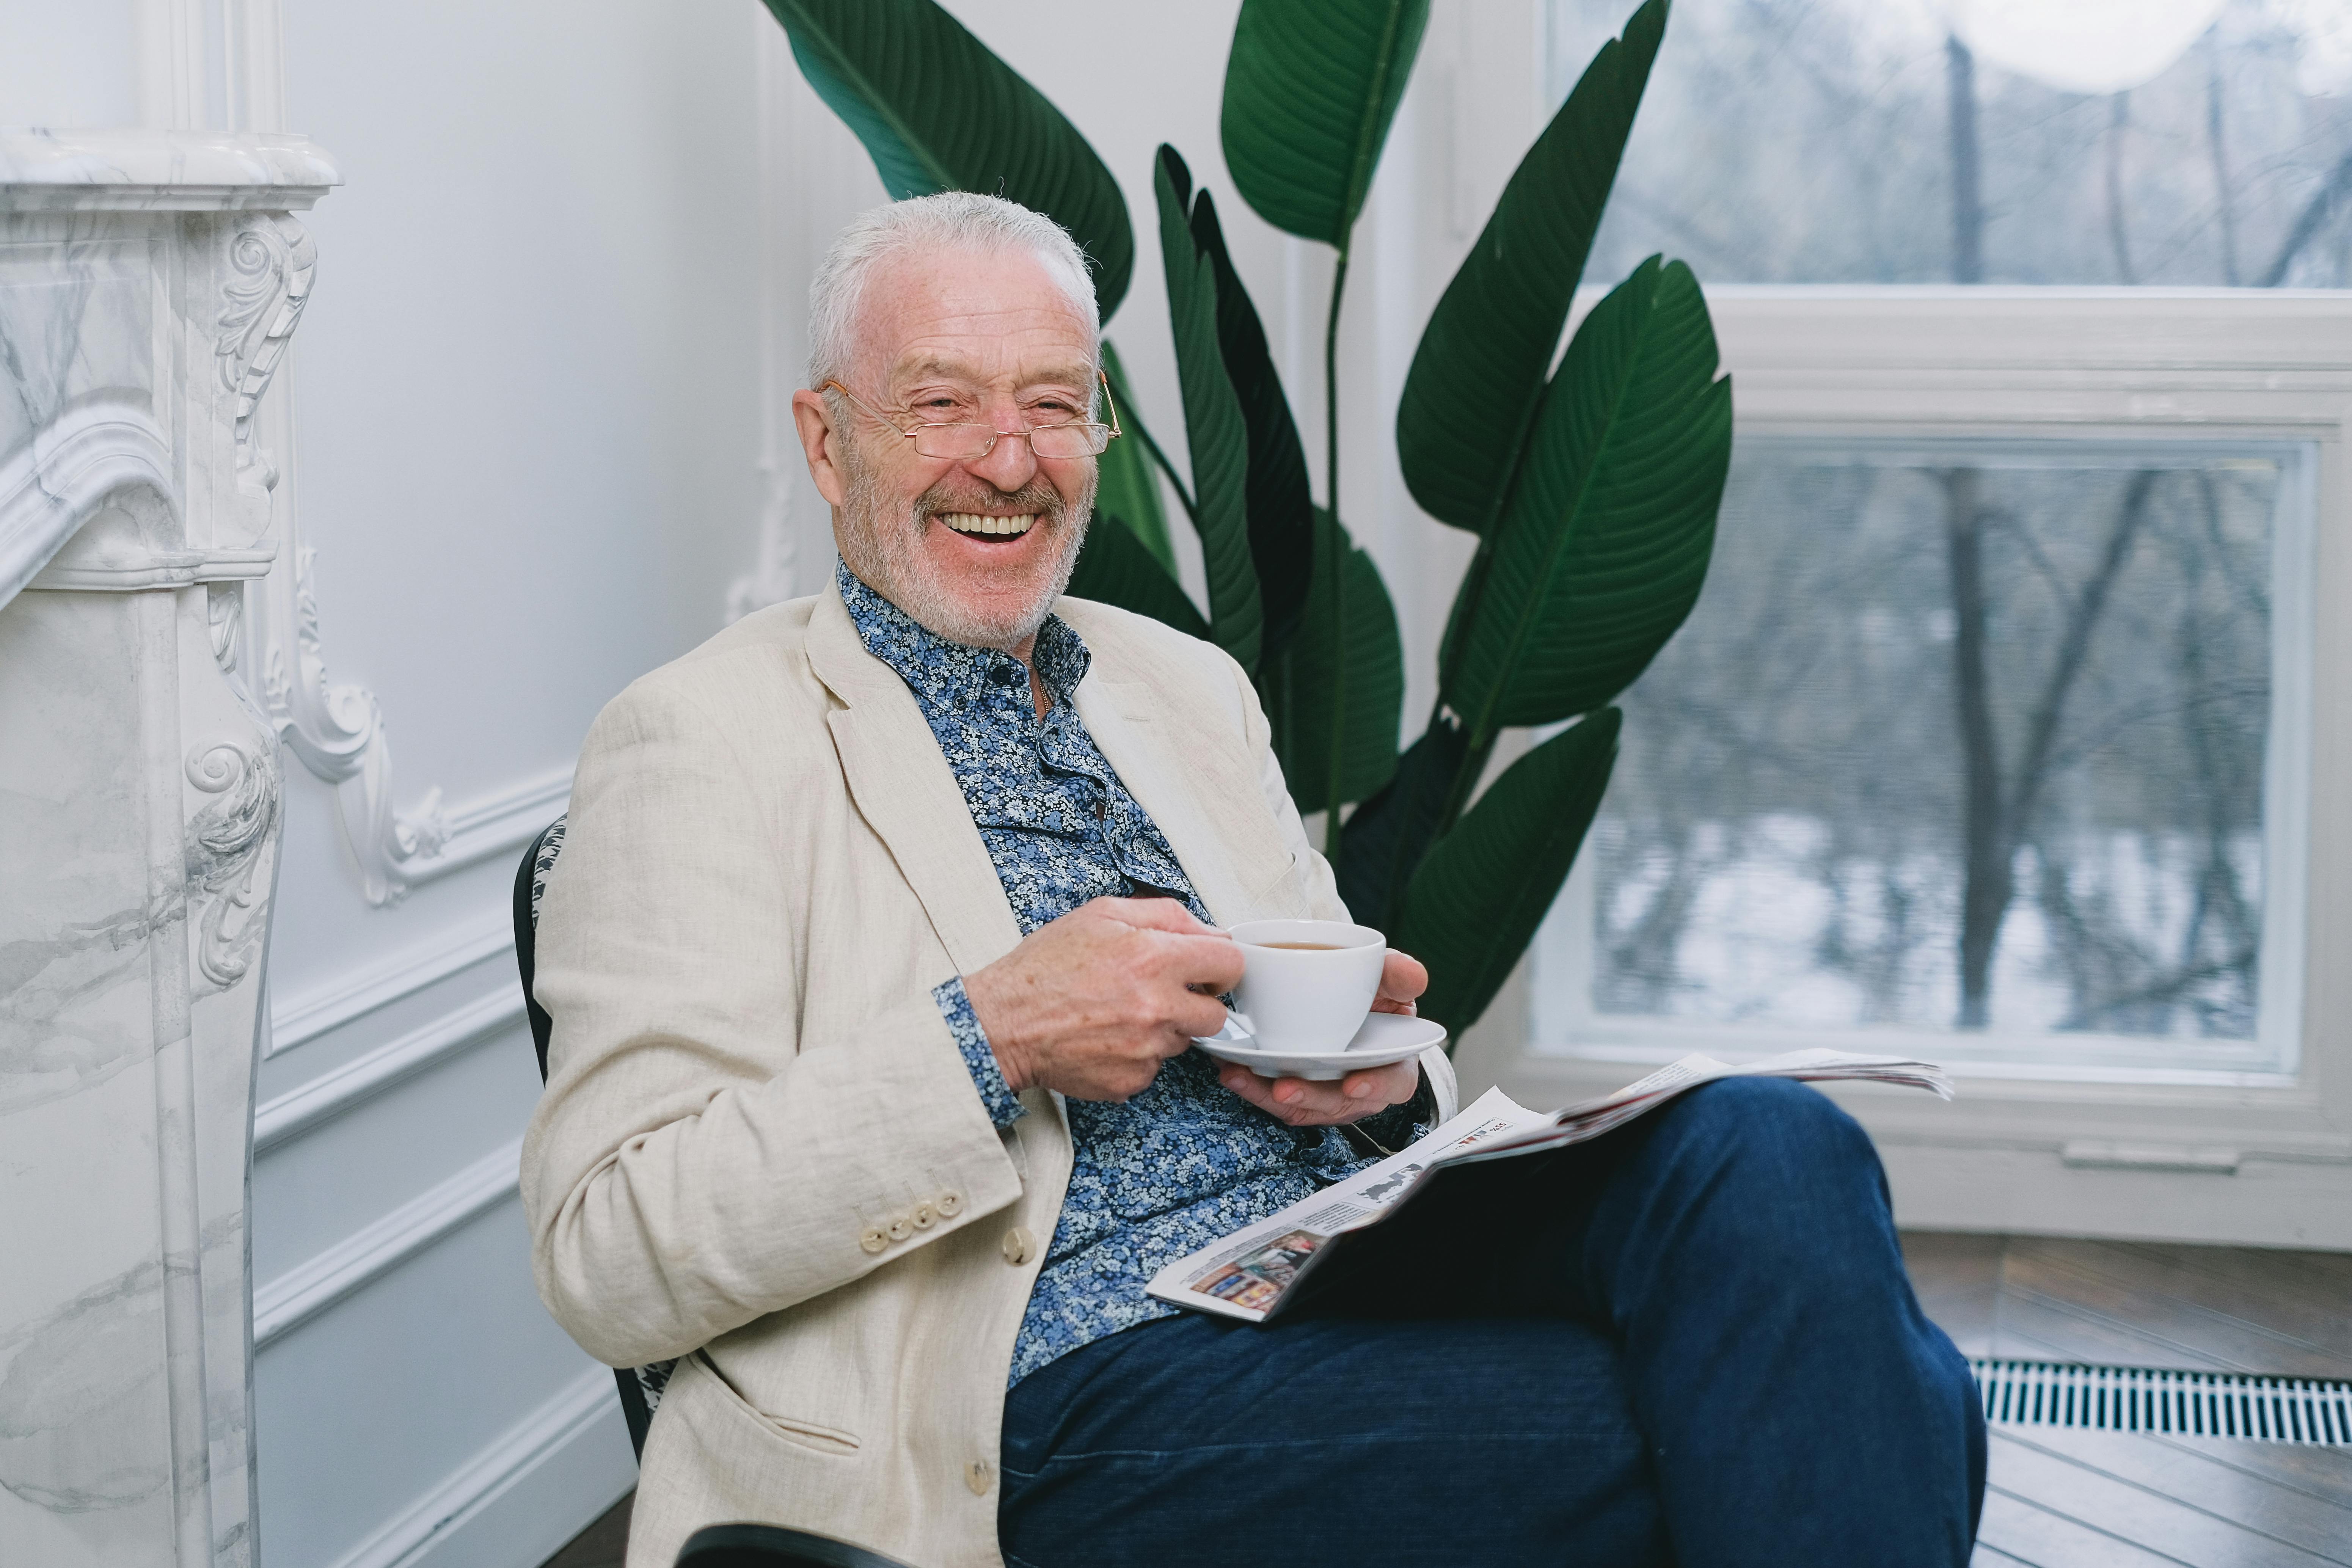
{"points": [[872, 1240], [925, 1216], [976, 1476], [1019, 1246], [950, 1204], [1101, 810], [899, 1227]]}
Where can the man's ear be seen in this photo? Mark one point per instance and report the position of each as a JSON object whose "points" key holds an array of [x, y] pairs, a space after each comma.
{"points": [[814, 422]]}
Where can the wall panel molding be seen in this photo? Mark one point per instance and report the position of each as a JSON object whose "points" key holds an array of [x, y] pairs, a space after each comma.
{"points": [[361, 992], [501, 1506], [303, 1292], [302, 1111]]}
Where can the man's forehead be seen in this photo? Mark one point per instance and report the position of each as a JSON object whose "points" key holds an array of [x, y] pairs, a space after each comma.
{"points": [[1009, 361], [975, 317]]}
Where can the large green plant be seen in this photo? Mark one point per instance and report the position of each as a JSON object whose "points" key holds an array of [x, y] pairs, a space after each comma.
{"points": [[1592, 488]]}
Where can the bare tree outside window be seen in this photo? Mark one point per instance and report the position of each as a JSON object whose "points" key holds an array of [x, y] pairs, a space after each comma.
{"points": [[1867, 141], [2007, 775], [1964, 739]]}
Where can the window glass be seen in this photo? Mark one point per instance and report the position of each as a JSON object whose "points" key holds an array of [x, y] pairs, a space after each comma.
{"points": [[1964, 737], [2072, 141]]}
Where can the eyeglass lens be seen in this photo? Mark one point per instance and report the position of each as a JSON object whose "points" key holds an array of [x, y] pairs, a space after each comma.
{"points": [[966, 442]]}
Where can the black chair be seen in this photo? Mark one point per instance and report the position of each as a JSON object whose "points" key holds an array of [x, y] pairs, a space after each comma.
{"points": [[773, 1546], [640, 1386]]}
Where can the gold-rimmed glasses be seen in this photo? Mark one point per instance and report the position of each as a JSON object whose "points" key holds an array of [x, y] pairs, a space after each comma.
{"points": [[969, 442]]}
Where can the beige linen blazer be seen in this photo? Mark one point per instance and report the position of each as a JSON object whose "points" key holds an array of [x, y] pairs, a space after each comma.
{"points": [[758, 1148]]}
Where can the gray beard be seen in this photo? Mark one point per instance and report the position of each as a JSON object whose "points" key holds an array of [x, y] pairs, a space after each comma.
{"points": [[879, 545]]}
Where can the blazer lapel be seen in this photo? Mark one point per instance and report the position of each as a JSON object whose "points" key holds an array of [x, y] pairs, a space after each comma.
{"points": [[1198, 790], [907, 793]]}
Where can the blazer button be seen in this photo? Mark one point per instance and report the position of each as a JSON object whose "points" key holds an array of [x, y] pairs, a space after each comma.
{"points": [[872, 1240], [899, 1228], [925, 1216], [950, 1204], [1019, 1246], [976, 1476]]}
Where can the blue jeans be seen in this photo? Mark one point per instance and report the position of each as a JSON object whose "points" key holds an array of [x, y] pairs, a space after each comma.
{"points": [[1691, 1341]]}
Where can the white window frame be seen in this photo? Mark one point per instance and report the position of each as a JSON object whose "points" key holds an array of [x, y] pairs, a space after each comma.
{"points": [[2256, 1156]]}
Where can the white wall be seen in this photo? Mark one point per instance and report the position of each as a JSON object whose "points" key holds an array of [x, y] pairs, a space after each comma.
{"points": [[525, 418], [67, 65]]}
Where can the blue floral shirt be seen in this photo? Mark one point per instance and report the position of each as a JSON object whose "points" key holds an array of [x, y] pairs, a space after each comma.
{"points": [[1184, 1162]]}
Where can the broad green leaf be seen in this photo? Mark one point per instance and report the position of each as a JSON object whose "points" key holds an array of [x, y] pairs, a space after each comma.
{"points": [[1473, 905], [938, 112], [1116, 569], [1310, 89], [1213, 428], [1391, 831], [1127, 488], [1281, 508], [1478, 376], [1605, 542], [1304, 690]]}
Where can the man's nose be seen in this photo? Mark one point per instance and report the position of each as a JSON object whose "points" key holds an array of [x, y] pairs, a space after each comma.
{"points": [[1010, 464]]}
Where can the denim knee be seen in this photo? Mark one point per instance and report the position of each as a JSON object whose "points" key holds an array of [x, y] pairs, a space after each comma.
{"points": [[1784, 1147], [1775, 1114]]}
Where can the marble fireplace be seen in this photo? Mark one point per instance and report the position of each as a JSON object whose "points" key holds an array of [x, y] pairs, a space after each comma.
{"points": [[149, 284]]}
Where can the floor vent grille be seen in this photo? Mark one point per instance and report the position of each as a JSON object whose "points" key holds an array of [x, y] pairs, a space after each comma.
{"points": [[2140, 1399]]}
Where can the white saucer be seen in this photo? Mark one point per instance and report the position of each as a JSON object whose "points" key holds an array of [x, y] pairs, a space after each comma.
{"points": [[1385, 1037]]}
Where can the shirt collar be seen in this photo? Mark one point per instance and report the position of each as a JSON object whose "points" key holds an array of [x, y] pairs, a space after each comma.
{"points": [[947, 672]]}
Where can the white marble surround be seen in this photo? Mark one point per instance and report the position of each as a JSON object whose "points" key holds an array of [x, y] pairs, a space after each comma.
{"points": [[149, 283]]}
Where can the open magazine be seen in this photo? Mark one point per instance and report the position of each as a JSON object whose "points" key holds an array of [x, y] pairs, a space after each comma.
{"points": [[1256, 1272]]}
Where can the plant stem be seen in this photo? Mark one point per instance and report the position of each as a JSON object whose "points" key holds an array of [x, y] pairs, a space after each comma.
{"points": [[1338, 560]]}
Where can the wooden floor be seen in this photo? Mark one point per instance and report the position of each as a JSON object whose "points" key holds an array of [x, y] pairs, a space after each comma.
{"points": [[601, 1544], [2057, 1499]]}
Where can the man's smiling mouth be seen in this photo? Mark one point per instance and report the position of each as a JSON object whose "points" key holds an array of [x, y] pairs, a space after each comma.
{"points": [[974, 524]]}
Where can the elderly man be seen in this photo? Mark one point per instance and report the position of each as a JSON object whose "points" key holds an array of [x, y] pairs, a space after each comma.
{"points": [[885, 924]]}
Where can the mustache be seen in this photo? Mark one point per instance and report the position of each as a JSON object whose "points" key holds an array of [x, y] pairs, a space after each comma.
{"points": [[1036, 496]]}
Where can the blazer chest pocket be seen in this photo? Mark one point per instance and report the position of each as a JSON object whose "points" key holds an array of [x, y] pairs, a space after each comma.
{"points": [[805, 1434]]}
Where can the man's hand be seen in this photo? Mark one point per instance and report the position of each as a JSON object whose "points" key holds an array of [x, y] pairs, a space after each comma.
{"points": [[1090, 1005], [1302, 1102]]}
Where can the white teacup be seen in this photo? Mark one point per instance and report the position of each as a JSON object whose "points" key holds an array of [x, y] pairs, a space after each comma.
{"points": [[1307, 985]]}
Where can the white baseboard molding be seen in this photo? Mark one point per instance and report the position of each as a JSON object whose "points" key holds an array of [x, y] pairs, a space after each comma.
{"points": [[321, 1099], [301, 1293], [516, 1502]]}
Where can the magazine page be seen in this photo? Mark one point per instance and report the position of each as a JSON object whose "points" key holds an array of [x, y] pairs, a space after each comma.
{"points": [[1248, 1274], [1591, 1117], [1244, 1275]]}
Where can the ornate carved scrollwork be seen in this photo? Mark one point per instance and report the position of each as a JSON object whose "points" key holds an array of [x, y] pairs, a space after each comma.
{"points": [[338, 732], [227, 843], [271, 261]]}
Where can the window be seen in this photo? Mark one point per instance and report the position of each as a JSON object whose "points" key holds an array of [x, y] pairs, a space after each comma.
{"points": [[1969, 750], [2006, 732], [1989, 747]]}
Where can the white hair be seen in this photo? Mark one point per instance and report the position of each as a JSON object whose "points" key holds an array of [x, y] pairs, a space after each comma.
{"points": [[947, 222]]}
